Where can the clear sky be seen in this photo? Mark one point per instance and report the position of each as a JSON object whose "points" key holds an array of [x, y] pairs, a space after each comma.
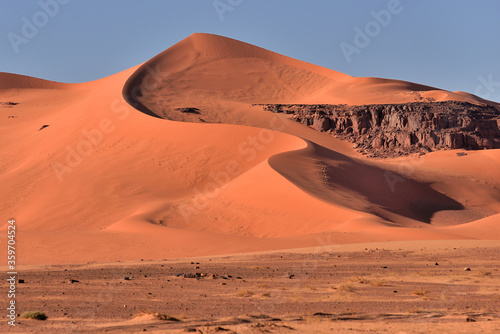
{"points": [[450, 44]]}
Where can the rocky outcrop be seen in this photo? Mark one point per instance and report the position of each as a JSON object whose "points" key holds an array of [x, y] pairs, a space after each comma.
{"points": [[389, 130], [189, 110], [8, 104]]}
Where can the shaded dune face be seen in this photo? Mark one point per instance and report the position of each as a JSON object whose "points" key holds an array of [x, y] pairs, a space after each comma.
{"points": [[133, 92], [351, 183]]}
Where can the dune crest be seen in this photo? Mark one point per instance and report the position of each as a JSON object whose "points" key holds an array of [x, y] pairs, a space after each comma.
{"points": [[16, 81], [218, 70]]}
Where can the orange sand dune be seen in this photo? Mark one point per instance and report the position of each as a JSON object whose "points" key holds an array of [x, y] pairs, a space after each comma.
{"points": [[217, 70], [15, 81], [90, 175]]}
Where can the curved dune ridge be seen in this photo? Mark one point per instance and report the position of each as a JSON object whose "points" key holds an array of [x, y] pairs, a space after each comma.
{"points": [[212, 68], [90, 175], [16, 81]]}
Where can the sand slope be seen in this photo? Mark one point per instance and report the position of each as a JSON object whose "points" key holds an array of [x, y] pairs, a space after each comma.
{"points": [[116, 176]]}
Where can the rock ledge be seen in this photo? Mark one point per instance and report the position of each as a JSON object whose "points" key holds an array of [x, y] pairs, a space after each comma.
{"points": [[390, 130]]}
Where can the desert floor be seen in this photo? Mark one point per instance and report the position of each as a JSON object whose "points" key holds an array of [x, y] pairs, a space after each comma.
{"points": [[392, 287]]}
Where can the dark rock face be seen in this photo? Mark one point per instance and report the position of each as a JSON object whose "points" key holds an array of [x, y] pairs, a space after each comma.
{"points": [[389, 130], [9, 103], [189, 110]]}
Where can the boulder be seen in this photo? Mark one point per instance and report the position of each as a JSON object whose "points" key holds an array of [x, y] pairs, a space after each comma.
{"points": [[321, 123]]}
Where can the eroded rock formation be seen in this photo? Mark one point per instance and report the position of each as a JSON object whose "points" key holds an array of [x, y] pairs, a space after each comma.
{"points": [[398, 129]]}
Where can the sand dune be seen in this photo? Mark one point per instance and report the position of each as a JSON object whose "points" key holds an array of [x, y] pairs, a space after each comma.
{"points": [[109, 170], [217, 70], [15, 81]]}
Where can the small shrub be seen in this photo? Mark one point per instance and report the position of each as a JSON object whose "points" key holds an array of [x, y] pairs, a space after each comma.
{"points": [[346, 288], [159, 316], [359, 279], [37, 315], [378, 282], [417, 310], [420, 292], [245, 293], [165, 317]]}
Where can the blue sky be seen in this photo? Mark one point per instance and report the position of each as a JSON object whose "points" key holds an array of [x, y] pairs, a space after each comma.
{"points": [[450, 44]]}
